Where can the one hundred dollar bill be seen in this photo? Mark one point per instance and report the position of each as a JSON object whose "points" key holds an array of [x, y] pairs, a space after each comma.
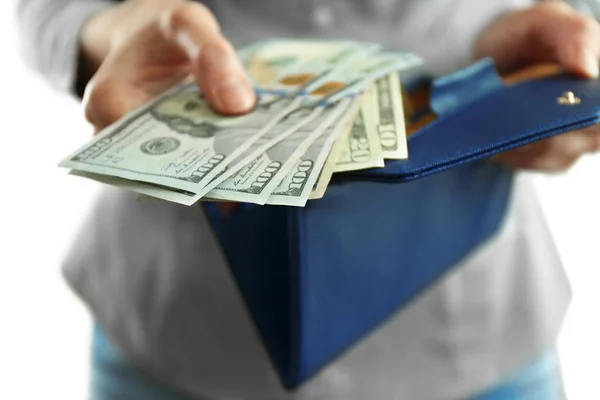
{"points": [[362, 71], [204, 160], [389, 117], [324, 177], [276, 60], [300, 182], [255, 181], [285, 127], [359, 72], [176, 141], [155, 191], [361, 148], [296, 66], [248, 184], [177, 149], [186, 146], [185, 197]]}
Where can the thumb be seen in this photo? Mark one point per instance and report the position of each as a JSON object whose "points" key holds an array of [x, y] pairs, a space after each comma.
{"points": [[215, 65]]}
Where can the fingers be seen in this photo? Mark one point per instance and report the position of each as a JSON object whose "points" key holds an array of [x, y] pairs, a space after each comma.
{"points": [[555, 154], [177, 41], [215, 65], [551, 31], [105, 102], [572, 38]]}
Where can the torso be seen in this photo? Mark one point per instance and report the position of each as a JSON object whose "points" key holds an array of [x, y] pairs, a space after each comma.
{"points": [[159, 286]]}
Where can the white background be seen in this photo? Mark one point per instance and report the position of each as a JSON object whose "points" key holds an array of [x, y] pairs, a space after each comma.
{"points": [[44, 331]]}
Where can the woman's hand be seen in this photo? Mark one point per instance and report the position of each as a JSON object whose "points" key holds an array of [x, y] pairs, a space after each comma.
{"points": [[549, 32], [141, 48]]}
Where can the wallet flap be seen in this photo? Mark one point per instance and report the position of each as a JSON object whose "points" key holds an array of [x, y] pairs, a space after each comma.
{"points": [[462, 88], [496, 118]]}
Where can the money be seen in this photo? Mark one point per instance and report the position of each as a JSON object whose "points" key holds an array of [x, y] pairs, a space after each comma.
{"points": [[323, 107], [299, 183], [248, 184], [324, 177], [361, 148], [179, 142], [276, 61], [388, 116], [360, 69], [363, 70], [255, 182], [176, 141]]}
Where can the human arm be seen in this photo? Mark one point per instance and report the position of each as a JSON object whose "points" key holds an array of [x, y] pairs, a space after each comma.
{"points": [[132, 51]]}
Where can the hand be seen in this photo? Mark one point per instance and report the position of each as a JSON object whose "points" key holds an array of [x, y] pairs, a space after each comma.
{"points": [[140, 48], [549, 32]]}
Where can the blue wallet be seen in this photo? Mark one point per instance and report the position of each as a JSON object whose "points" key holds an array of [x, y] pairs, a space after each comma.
{"points": [[317, 280]]}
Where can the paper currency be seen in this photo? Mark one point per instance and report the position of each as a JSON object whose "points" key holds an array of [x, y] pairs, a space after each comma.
{"points": [[177, 141], [356, 73], [361, 148], [283, 152], [255, 182], [361, 71], [185, 145], [293, 186], [324, 176], [389, 117], [276, 61], [299, 183], [249, 183]]}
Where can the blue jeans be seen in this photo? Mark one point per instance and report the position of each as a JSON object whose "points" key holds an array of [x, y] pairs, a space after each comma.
{"points": [[114, 378]]}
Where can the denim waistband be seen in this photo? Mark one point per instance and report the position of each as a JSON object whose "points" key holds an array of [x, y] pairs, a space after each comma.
{"points": [[116, 378]]}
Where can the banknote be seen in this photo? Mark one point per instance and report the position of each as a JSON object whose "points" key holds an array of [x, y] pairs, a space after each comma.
{"points": [[275, 60], [179, 142], [324, 177], [361, 148], [288, 192], [177, 149], [361, 71], [176, 141], [250, 176], [298, 184], [187, 143], [155, 191], [256, 180], [149, 191], [389, 117]]}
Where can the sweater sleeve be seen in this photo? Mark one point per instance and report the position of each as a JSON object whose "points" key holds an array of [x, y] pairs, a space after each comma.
{"points": [[49, 38]]}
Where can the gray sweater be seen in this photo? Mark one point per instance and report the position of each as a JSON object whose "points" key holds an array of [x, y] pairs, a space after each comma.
{"points": [[49, 36], [155, 280]]}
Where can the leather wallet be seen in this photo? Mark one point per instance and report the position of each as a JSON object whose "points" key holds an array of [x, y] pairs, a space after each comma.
{"points": [[479, 116], [317, 280]]}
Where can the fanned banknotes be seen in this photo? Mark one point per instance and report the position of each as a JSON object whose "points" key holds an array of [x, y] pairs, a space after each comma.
{"points": [[323, 107]]}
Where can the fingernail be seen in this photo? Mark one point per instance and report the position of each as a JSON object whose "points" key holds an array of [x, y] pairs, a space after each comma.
{"points": [[591, 65], [234, 96]]}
